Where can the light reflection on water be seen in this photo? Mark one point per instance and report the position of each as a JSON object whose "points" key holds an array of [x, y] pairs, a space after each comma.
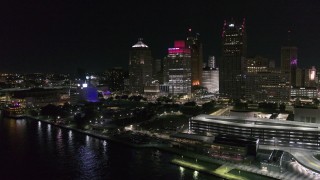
{"points": [[53, 153]]}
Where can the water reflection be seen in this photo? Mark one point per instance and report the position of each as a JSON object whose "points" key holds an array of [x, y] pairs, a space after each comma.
{"points": [[105, 146], [70, 134], [48, 152]]}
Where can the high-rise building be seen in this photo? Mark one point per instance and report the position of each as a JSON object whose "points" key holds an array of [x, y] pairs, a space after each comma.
{"points": [[289, 60], [140, 67], [211, 62], [231, 68], [193, 43], [289, 57], [178, 69]]}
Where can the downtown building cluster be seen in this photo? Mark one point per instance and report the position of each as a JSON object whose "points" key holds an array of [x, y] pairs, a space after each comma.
{"points": [[238, 76], [175, 74]]}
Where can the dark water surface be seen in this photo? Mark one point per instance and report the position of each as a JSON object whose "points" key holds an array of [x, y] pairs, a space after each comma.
{"points": [[35, 150]]}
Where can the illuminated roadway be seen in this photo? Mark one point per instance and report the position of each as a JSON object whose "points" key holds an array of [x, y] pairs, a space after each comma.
{"points": [[303, 156], [221, 112]]}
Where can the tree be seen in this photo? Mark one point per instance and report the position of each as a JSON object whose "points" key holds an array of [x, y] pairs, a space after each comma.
{"points": [[208, 107], [124, 97], [80, 121], [50, 110], [282, 107], [191, 103], [315, 101]]}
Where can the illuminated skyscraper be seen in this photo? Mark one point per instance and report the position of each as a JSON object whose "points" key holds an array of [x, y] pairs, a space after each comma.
{"points": [[140, 67], [178, 69], [231, 70], [193, 43], [289, 60]]}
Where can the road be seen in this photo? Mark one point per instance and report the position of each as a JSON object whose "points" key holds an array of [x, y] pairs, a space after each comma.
{"points": [[222, 112], [303, 156]]}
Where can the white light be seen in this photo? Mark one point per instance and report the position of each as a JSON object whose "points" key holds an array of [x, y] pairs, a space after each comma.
{"points": [[84, 85], [231, 25], [195, 174]]}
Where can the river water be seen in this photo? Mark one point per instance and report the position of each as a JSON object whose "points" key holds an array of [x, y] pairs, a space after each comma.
{"points": [[33, 150]]}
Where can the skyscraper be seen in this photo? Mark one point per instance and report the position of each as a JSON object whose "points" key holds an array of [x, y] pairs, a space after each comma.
{"points": [[178, 69], [289, 60], [140, 67], [193, 43], [231, 70]]}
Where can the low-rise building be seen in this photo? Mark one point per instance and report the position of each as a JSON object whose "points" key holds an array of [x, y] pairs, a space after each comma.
{"points": [[307, 114]]}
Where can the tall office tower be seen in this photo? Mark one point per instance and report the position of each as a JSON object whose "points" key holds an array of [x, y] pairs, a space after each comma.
{"points": [[140, 67], [178, 69], [231, 68], [212, 62], [289, 59], [193, 43]]}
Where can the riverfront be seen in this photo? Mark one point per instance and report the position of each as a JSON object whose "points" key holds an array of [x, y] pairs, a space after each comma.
{"points": [[34, 150]]}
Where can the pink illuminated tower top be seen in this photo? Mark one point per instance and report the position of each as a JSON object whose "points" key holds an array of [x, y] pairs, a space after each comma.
{"points": [[179, 48]]}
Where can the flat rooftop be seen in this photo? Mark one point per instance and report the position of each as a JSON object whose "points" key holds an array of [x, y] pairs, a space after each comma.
{"points": [[258, 123]]}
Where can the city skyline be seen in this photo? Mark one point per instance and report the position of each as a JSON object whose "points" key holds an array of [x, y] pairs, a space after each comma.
{"points": [[63, 36]]}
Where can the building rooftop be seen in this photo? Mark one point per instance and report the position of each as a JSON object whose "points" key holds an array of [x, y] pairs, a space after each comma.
{"points": [[272, 124], [140, 44]]}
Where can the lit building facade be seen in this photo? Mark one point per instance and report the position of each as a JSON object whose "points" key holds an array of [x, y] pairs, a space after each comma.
{"points": [[140, 67], [289, 60], [304, 92], [305, 78], [193, 43], [212, 62], [268, 86], [256, 64], [210, 79], [178, 69], [272, 132], [231, 68], [289, 55]]}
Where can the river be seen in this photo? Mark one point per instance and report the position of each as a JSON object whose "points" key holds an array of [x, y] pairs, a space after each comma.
{"points": [[33, 150]]}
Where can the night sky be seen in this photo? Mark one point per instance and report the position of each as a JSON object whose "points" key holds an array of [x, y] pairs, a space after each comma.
{"points": [[61, 36]]}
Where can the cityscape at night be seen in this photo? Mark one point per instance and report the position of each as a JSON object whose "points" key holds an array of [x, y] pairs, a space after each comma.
{"points": [[160, 90]]}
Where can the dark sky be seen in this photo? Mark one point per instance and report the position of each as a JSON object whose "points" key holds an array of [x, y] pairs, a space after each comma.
{"points": [[61, 35]]}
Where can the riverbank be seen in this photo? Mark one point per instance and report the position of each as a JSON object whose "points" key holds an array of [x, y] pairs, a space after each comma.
{"points": [[190, 156]]}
